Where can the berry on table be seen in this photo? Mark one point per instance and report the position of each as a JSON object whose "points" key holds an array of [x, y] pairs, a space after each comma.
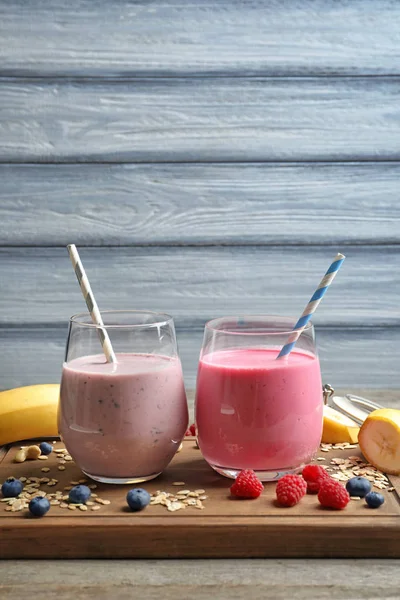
{"points": [[247, 485], [45, 448], [12, 487], [79, 494], [314, 475], [358, 486], [333, 494], [290, 490], [39, 506], [374, 499], [138, 499]]}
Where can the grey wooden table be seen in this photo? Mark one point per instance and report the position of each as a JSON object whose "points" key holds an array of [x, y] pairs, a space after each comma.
{"points": [[201, 579]]}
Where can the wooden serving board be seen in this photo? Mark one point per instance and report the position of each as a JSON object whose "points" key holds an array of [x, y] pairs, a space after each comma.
{"points": [[226, 527]]}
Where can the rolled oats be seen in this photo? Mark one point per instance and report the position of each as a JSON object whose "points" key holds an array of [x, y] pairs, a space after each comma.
{"points": [[18, 505], [174, 506], [343, 469]]}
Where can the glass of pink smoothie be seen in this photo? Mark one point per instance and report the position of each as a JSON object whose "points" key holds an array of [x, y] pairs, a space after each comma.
{"points": [[123, 422], [253, 411]]}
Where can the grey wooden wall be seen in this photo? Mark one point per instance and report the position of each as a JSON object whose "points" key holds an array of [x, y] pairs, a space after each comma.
{"points": [[208, 157]]}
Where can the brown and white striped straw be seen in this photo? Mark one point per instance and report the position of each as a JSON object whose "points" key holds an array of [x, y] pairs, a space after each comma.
{"points": [[91, 303]]}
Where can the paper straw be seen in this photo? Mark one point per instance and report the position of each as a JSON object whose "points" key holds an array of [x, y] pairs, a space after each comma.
{"points": [[313, 304], [91, 303]]}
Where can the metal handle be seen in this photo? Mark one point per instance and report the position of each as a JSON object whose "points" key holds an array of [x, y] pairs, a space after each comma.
{"points": [[354, 407]]}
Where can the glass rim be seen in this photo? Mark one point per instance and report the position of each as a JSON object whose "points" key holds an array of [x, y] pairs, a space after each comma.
{"points": [[163, 319], [211, 325]]}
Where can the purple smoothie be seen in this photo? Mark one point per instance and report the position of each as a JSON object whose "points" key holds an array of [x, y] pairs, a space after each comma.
{"points": [[125, 420]]}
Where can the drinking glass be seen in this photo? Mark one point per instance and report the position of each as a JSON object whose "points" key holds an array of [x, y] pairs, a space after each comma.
{"points": [[122, 422], [254, 411]]}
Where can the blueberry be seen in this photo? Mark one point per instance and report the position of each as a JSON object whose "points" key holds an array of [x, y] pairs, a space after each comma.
{"points": [[79, 494], [137, 499], [358, 486], [374, 500], [46, 448], [12, 487], [39, 506]]}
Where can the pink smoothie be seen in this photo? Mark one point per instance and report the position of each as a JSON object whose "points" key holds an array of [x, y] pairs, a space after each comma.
{"points": [[255, 412], [125, 420]]}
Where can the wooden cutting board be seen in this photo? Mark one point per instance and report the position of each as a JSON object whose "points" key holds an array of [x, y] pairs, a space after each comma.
{"points": [[226, 527]]}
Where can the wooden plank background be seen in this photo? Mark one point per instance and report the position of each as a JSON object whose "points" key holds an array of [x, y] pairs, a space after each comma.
{"points": [[208, 119], [201, 204], [200, 280], [208, 158], [119, 38]]}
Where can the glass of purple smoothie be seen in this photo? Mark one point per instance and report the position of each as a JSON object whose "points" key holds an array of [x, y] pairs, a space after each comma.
{"points": [[122, 422]]}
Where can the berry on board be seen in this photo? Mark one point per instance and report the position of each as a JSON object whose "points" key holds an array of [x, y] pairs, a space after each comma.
{"points": [[138, 499], [12, 487], [290, 490], [374, 499], [313, 475], [333, 494], [191, 430], [358, 486], [247, 485], [39, 506], [79, 494], [46, 448]]}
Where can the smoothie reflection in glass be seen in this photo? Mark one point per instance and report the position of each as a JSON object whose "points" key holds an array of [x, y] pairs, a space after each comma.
{"points": [[123, 422], [254, 411]]}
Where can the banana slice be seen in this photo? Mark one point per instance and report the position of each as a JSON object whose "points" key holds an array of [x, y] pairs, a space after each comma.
{"points": [[379, 440], [338, 428]]}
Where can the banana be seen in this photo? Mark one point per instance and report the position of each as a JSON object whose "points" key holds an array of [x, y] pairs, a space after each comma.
{"points": [[379, 440], [338, 428], [28, 412]]}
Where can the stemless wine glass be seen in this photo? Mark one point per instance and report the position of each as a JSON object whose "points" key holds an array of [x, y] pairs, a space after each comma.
{"points": [[122, 422], [254, 411]]}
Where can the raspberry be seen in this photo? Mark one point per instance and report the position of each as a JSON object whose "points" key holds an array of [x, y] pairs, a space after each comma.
{"points": [[247, 485], [314, 475], [290, 489], [333, 494], [191, 430]]}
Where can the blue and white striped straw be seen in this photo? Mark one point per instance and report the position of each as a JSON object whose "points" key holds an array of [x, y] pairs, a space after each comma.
{"points": [[91, 303], [312, 305]]}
